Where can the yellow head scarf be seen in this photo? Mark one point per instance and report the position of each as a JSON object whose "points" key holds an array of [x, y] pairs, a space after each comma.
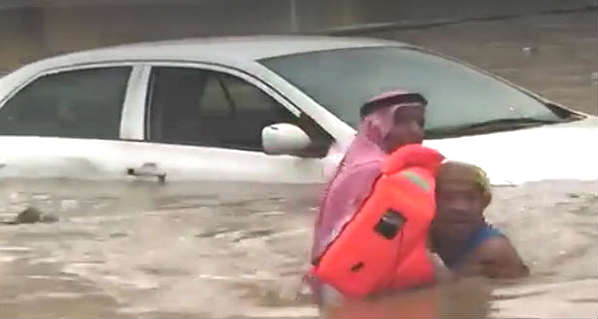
{"points": [[453, 171]]}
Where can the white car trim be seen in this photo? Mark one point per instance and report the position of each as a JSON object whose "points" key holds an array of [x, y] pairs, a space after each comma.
{"points": [[338, 129], [132, 124]]}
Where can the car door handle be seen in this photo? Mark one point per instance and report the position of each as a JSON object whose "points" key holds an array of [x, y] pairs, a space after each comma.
{"points": [[148, 169]]}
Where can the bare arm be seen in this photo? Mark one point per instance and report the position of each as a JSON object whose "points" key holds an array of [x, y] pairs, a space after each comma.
{"points": [[441, 272], [494, 258]]}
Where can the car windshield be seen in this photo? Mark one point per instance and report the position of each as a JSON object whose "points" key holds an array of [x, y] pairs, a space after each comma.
{"points": [[459, 97]]}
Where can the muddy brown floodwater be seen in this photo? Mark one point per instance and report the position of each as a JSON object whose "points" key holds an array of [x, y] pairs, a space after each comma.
{"points": [[229, 250]]}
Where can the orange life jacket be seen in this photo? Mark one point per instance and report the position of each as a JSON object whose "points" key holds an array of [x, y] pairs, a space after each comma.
{"points": [[384, 245]]}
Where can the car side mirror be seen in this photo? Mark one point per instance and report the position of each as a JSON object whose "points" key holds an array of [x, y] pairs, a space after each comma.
{"points": [[284, 138]]}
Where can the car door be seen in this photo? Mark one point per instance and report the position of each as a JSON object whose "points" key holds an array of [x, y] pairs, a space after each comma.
{"points": [[67, 123], [205, 123]]}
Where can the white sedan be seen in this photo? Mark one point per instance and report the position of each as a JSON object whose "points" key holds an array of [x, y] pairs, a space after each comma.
{"points": [[268, 109]]}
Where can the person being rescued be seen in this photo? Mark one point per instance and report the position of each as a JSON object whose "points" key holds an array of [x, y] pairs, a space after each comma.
{"points": [[460, 235], [370, 233]]}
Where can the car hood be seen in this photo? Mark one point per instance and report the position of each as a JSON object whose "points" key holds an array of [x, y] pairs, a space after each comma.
{"points": [[567, 151]]}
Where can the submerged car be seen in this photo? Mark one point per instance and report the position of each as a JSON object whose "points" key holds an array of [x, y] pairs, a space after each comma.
{"points": [[268, 109]]}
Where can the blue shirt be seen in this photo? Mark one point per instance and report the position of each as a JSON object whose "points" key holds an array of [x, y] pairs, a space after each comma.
{"points": [[481, 235]]}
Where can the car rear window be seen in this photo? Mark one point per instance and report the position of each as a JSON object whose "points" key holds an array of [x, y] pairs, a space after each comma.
{"points": [[83, 104]]}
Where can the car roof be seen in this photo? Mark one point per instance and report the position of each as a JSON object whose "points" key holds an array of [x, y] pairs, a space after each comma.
{"points": [[256, 47], [218, 49]]}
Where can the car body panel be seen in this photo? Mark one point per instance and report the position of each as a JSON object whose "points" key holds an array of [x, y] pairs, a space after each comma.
{"points": [[548, 152], [53, 157]]}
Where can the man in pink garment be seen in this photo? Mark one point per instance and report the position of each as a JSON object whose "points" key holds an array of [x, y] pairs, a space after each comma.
{"points": [[390, 120]]}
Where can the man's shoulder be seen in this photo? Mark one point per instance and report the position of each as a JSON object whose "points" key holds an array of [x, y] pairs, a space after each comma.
{"points": [[499, 258], [497, 250], [495, 246], [371, 168]]}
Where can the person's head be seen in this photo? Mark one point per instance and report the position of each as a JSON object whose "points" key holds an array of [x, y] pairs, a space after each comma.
{"points": [[462, 194], [398, 119]]}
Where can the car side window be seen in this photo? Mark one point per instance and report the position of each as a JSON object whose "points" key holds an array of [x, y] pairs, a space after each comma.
{"points": [[207, 108], [80, 104]]}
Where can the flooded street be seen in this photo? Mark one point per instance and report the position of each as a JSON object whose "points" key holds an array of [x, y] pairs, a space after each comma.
{"points": [[239, 250], [141, 250]]}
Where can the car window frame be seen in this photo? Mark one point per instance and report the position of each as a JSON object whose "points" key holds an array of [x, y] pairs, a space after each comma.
{"points": [[128, 104], [210, 67]]}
